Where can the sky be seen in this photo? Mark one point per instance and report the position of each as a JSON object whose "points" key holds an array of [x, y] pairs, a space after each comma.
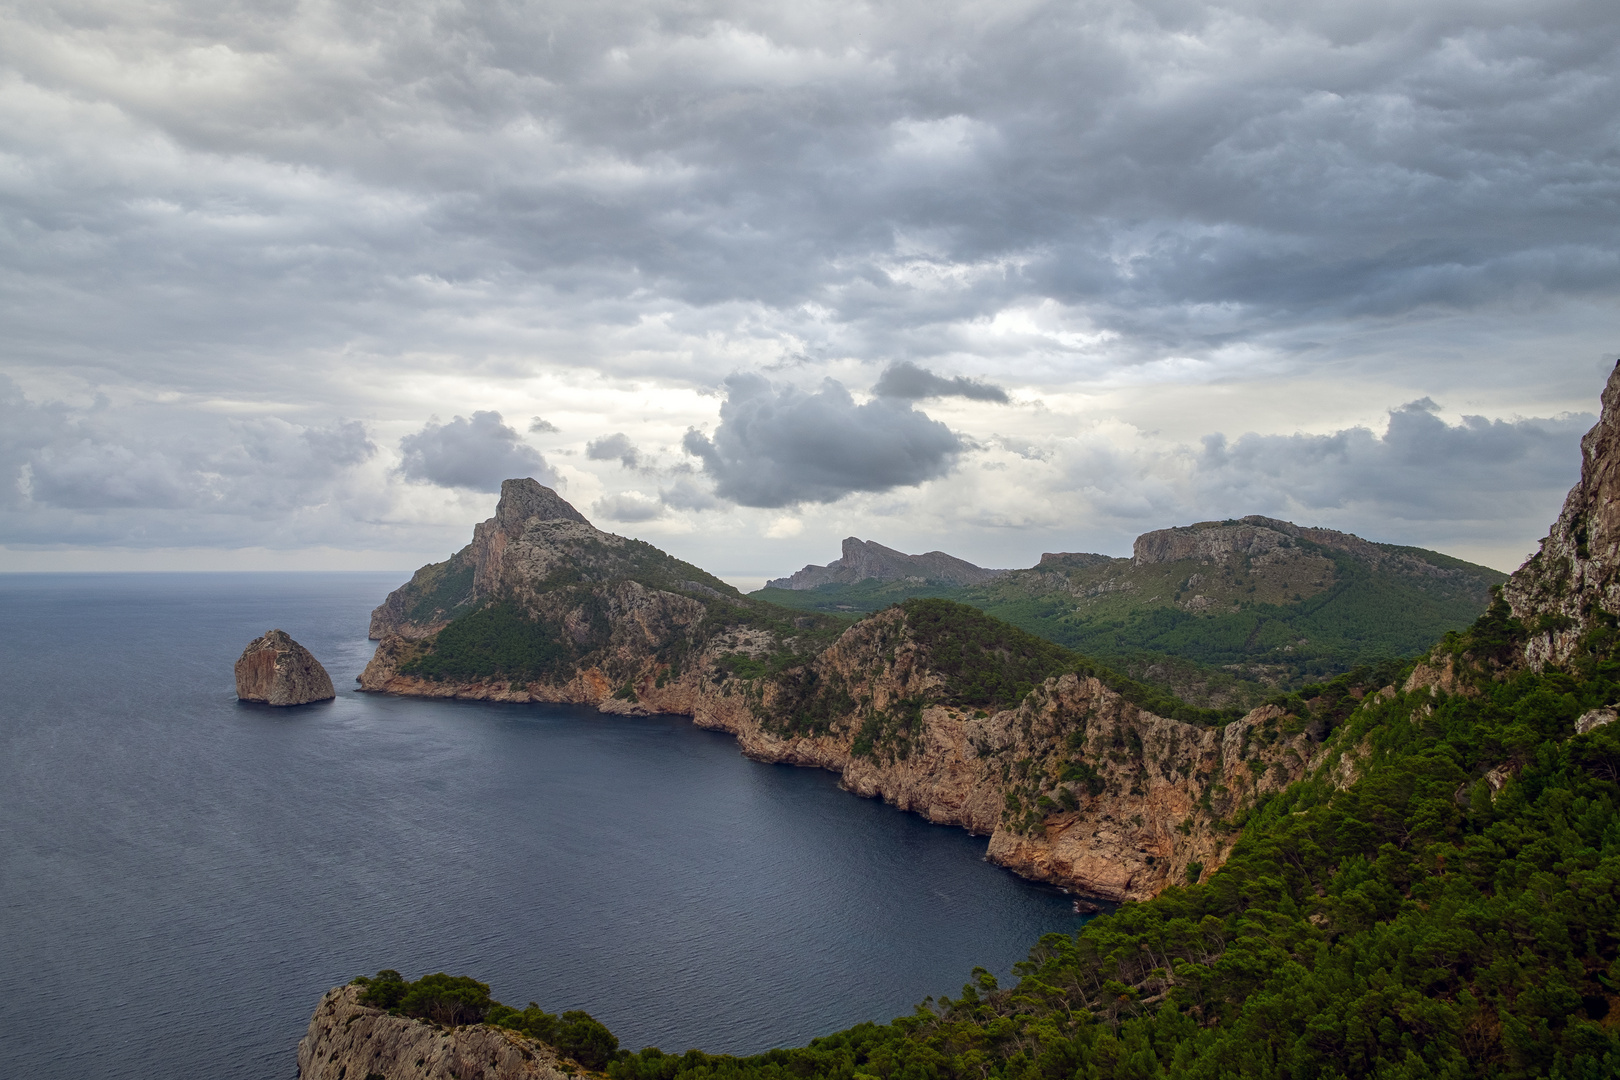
{"points": [[295, 284]]}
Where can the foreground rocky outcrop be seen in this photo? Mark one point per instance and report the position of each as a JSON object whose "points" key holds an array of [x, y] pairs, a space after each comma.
{"points": [[863, 560], [276, 670], [350, 1041], [1572, 584]]}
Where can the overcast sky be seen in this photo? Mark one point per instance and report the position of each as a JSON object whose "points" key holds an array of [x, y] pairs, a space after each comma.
{"points": [[297, 284]]}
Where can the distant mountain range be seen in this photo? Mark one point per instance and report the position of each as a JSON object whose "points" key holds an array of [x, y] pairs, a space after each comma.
{"points": [[1222, 612], [865, 561]]}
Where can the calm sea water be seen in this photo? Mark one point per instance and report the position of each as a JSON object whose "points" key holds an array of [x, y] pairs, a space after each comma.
{"points": [[182, 875]]}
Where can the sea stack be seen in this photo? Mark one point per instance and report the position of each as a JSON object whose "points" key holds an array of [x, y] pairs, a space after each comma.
{"points": [[277, 670]]}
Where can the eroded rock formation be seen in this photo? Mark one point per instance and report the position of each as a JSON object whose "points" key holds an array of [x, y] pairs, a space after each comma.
{"points": [[1573, 581], [276, 670], [350, 1041]]}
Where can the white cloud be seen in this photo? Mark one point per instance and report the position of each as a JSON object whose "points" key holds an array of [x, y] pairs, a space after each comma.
{"points": [[317, 216]]}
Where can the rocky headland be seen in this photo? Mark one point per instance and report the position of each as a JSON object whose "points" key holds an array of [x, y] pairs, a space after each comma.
{"points": [[276, 670], [351, 1041], [1073, 782]]}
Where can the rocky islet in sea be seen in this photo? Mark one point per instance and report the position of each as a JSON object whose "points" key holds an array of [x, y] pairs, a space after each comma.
{"points": [[276, 670]]}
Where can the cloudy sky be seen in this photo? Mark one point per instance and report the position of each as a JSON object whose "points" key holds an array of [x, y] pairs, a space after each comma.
{"points": [[297, 283]]}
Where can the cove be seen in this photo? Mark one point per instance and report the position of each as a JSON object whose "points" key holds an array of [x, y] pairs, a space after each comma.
{"points": [[182, 875]]}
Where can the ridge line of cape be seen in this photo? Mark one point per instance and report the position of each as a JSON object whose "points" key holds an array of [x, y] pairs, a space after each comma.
{"points": [[1074, 784]]}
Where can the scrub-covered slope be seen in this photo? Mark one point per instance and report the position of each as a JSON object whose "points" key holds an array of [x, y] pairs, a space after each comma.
{"points": [[1224, 612]]}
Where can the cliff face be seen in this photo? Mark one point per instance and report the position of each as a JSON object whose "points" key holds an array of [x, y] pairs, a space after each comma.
{"points": [[863, 560], [440, 591], [350, 1041], [1573, 582]]}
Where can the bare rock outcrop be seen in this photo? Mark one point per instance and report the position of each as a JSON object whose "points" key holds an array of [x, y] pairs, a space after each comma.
{"points": [[276, 670], [1573, 581], [1255, 535], [439, 591], [350, 1041], [863, 560]]}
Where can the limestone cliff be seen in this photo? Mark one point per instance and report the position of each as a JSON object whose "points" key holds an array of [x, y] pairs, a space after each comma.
{"points": [[276, 670], [350, 1041], [1073, 783], [1573, 582]]}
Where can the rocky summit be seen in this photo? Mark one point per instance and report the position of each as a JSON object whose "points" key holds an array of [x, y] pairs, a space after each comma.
{"points": [[276, 670]]}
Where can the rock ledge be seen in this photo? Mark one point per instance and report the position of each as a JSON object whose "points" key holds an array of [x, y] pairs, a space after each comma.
{"points": [[351, 1041]]}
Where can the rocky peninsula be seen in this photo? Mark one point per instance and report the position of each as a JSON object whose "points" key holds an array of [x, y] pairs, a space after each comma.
{"points": [[1074, 782]]}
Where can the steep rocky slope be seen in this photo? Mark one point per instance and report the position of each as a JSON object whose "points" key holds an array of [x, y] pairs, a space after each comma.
{"points": [[1572, 584], [350, 1041], [1073, 782]]}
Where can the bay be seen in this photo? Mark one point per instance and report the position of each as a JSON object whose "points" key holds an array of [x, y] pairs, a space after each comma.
{"points": [[182, 875]]}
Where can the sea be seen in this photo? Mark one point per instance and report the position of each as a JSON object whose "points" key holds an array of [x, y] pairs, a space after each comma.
{"points": [[183, 875]]}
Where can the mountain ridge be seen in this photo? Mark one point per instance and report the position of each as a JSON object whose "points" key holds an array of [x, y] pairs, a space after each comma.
{"points": [[865, 560], [1225, 612]]}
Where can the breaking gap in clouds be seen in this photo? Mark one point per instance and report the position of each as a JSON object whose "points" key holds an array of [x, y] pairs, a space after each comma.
{"points": [[777, 446], [476, 453]]}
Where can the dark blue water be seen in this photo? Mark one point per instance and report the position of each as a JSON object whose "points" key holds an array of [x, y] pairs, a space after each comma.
{"points": [[181, 875]]}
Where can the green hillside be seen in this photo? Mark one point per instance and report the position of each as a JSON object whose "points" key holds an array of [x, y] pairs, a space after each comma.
{"points": [[1223, 632]]}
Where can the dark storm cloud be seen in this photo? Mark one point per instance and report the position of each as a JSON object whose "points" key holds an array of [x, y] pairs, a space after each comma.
{"points": [[1420, 469], [476, 453], [1181, 172], [908, 382], [777, 446], [615, 447], [230, 206]]}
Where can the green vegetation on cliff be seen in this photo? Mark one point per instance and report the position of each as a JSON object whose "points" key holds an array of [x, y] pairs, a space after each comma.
{"points": [[1420, 923], [498, 641], [1227, 631], [453, 1000], [993, 664]]}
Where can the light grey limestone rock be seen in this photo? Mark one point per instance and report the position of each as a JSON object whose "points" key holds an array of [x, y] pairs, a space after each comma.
{"points": [[350, 1041]]}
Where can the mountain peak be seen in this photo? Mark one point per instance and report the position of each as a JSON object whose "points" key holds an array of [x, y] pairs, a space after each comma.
{"points": [[524, 499], [864, 560]]}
